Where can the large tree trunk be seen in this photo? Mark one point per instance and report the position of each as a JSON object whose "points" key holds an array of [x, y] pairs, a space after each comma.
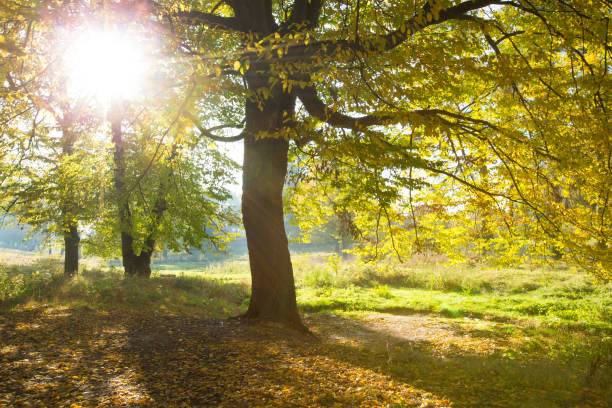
{"points": [[71, 251], [264, 171]]}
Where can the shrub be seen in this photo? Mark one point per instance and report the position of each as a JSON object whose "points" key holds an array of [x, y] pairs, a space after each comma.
{"points": [[383, 291]]}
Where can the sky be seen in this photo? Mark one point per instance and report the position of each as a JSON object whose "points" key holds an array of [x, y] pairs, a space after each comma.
{"points": [[235, 151]]}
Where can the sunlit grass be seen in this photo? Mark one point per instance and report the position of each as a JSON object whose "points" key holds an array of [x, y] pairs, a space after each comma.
{"points": [[550, 297], [544, 308], [540, 296], [546, 318], [43, 283]]}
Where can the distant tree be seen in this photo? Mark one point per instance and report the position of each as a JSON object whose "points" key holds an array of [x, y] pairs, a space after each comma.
{"points": [[169, 190], [53, 162], [145, 182], [321, 211]]}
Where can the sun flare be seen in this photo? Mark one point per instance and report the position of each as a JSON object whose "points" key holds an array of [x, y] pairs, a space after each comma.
{"points": [[105, 65]]}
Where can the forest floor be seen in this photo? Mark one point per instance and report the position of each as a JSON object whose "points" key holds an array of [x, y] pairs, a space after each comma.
{"points": [[101, 341]]}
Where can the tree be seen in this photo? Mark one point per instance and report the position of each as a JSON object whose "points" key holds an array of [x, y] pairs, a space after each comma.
{"points": [[321, 207], [394, 85], [396, 91], [169, 189], [51, 181]]}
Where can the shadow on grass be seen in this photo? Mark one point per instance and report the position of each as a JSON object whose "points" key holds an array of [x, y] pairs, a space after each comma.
{"points": [[473, 378], [340, 305], [108, 290], [106, 341], [59, 356], [590, 321]]}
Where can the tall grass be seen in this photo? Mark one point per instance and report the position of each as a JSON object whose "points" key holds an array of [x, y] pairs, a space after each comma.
{"points": [[463, 279], [555, 297], [43, 282]]}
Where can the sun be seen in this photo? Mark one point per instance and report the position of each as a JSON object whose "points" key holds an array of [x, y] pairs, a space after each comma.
{"points": [[106, 66]]}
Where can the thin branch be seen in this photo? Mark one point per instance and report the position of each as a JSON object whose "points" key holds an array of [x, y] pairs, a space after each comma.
{"points": [[418, 22], [208, 132]]}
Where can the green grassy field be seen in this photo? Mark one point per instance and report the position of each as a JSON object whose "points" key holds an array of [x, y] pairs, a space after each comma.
{"points": [[471, 336]]}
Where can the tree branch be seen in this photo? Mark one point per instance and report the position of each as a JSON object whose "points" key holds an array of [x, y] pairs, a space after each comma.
{"points": [[318, 109], [414, 24], [211, 20], [208, 132]]}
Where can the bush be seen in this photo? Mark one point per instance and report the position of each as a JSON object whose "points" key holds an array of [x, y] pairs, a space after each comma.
{"points": [[319, 278], [383, 291], [18, 283]]}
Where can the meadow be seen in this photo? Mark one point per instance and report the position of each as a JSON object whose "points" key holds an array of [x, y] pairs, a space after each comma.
{"points": [[442, 335]]}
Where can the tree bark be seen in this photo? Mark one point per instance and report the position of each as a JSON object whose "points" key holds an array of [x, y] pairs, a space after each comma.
{"points": [[71, 251], [273, 288], [70, 226], [138, 265], [133, 264], [264, 170]]}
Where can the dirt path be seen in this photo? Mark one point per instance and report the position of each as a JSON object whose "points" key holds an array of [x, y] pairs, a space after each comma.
{"points": [[64, 357], [442, 335]]}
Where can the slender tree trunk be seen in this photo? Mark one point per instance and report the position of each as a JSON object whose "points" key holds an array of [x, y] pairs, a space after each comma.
{"points": [[71, 251], [138, 265], [264, 170], [71, 232], [133, 265], [123, 205]]}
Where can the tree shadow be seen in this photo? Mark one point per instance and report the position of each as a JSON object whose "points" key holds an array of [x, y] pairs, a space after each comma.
{"points": [[235, 364], [455, 369], [194, 362], [80, 351], [53, 356], [336, 305], [97, 357]]}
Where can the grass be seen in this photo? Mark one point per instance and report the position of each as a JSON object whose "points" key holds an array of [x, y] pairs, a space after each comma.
{"points": [[560, 297], [522, 324], [551, 297], [546, 307], [42, 283]]}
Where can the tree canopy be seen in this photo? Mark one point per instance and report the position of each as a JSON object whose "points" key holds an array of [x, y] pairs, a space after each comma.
{"points": [[393, 108]]}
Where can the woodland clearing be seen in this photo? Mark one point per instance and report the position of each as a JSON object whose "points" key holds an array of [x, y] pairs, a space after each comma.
{"points": [[99, 340]]}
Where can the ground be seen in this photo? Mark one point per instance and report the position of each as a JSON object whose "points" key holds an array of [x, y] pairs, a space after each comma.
{"points": [[101, 341], [107, 360]]}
